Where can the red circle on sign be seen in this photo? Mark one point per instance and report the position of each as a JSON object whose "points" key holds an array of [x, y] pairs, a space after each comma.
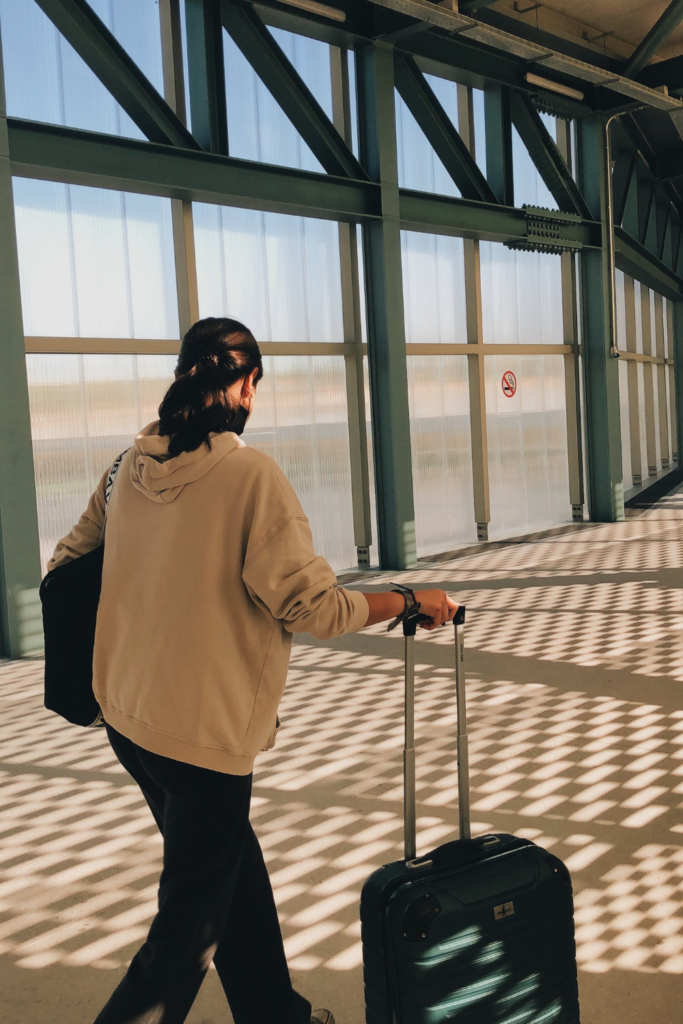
{"points": [[509, 383]]}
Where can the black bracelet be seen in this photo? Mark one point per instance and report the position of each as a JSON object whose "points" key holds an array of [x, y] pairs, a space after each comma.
{"points": [[411, 608]]}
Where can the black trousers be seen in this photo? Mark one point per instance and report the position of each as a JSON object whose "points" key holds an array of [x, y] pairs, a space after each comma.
{"points": [[215, 903]]}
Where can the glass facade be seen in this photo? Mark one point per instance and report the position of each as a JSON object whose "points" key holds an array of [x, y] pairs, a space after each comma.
{"points": [[419, 167], [527, 444], [85, 410], [521, 296], [300, 420], [442, 452], [54, 84], [433, 288], [100, 264], [647, 403], [94, 263], [279, 274], [258, 128]]}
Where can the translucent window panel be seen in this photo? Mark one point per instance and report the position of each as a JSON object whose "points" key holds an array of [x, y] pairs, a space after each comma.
{"points": [[300, 419], [418, 165], [655, 401], [353, 101], [374, 547], [85, 410], [94, 263], [521, 296], [625, 425], [441, 452], [527, 444], [530, 189], [258, 128], [278, 274], [46, 80], [433, 288]]}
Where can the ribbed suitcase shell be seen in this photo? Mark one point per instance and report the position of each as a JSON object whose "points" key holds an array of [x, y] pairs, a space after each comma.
{"points": [[465, 962]]}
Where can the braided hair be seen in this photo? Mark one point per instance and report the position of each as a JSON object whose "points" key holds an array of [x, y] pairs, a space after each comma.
{"points": [[215, 353]]}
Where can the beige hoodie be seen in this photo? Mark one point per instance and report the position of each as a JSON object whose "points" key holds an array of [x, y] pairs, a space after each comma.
{"points": [[209, 568]]}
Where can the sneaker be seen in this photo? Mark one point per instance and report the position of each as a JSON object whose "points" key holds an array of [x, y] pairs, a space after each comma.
{"points": [[322, 1017]]}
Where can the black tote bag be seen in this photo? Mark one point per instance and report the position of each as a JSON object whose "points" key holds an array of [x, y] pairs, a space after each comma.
{"points": [[70, 595]]}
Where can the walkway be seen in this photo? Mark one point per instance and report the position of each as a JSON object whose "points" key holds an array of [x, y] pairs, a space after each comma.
{"points": [[575, 667]]}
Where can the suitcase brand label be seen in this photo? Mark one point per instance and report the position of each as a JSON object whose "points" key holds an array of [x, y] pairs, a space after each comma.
{"points": [[504, 910]]}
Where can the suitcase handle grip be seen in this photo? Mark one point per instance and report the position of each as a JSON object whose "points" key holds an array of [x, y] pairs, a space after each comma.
{"points": [[409, 819]]}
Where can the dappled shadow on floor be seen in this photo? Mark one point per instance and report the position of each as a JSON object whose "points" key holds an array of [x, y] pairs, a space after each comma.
{"points": [[594, 776]]}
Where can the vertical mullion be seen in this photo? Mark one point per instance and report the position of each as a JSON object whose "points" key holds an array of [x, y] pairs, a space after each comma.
{"points": [[181, 211], [386, 326], [571, 362], [353, 333], [650, 426], [20, 616], [632, 376], [660, 370], [475, 362], [677, 346]]}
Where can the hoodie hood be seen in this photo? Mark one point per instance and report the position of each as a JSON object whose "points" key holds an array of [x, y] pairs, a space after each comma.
{"points": [[161, 478]]}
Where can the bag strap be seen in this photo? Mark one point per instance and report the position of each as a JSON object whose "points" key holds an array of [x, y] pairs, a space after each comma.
{"points": [[109, 487]]}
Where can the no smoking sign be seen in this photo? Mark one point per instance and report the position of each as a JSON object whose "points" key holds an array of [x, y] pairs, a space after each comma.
{"points": [[509, 383]]}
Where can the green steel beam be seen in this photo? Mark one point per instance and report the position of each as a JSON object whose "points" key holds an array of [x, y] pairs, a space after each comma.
{"points": [[440, 131], [662, 222], [646, 195], [636, 261], [423, 211], [622, 176], [206, 74], [280, 76], [121, 76], [601, 376], [20, 621], [546, 156], [105, 161], [657, 35], [384, 301], [498, 122]]}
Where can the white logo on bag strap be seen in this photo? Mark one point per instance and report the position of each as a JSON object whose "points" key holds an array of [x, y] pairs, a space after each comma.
{"points": [[112, 476]]}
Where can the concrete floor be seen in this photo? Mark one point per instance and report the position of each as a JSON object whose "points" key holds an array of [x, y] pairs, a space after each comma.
{"points": [[575, 668]]}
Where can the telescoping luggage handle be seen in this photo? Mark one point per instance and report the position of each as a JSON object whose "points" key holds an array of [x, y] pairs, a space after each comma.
{"points": [[409, 829]]}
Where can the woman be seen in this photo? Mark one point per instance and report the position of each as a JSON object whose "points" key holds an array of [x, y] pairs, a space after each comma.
{"points": [[209, 568]]}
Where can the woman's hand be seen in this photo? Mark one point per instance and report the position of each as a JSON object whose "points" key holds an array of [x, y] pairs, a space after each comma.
{"points": [[387, 604], [437, 605]]}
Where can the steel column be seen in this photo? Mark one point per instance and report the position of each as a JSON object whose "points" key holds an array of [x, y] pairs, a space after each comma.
{"points": [[499, 143], [353, 331], [21, 630], [601, 378], [206, 74], [386, 329]]}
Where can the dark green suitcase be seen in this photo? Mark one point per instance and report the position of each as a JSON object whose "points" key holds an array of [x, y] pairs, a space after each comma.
{"points": [[479, 931]]}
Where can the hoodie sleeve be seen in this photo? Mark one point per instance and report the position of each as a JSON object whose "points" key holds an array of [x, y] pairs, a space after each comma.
{"points": [[299, 588], [86, 534]]}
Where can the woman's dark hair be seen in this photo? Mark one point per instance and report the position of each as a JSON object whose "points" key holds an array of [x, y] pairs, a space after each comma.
{"points": [[215, 353]]}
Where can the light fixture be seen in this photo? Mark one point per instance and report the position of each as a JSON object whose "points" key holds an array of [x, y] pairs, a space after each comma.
{"points": [[547, 83], [313, 7]]}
